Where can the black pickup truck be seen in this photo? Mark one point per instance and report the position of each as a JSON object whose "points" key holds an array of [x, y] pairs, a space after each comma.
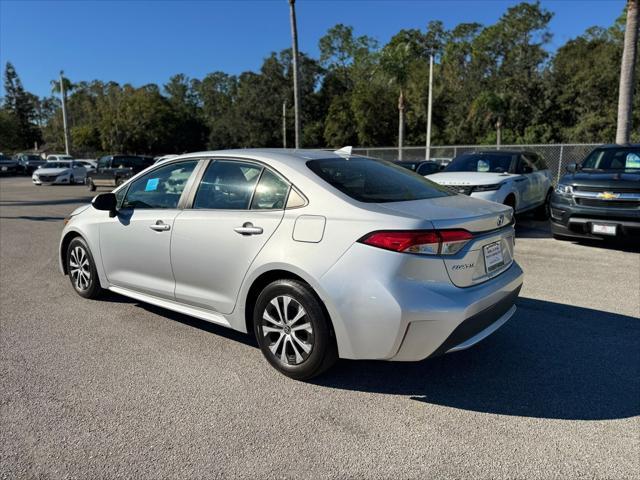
{"points": [[599, 198], [114, 170]]}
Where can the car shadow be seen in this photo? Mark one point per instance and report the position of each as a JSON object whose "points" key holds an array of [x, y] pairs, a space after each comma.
{"points": [[34, 218], [530, 228], [53, 201], [550, 361], [200, 324]]}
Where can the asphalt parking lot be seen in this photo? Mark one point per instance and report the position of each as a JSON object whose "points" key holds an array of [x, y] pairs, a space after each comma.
{"points": [[95, 389]]}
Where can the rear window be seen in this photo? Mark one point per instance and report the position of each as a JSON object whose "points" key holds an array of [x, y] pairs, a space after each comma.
{"points": [[481, 162], [375, 181]]}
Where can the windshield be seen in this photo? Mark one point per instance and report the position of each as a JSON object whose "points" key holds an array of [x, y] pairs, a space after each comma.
{"points": [[481, 162], [613, 159], [375, 181], [57, 165]]}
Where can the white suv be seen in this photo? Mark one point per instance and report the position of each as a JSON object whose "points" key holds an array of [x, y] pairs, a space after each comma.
{"points": [[520, 179]]}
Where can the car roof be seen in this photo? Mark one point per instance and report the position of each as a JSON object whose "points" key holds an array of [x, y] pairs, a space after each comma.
{"points": [[493, 152], [611, 146]]}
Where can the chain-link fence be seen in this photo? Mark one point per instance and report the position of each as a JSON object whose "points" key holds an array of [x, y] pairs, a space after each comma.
{"points": [[557, 156]]}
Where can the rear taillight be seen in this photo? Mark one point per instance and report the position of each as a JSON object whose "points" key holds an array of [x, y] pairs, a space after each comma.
{"points": [[425, 242]]}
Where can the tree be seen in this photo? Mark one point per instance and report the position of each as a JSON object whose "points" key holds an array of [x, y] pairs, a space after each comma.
{"points": [[20, 112], [627, 73], [396, 59]]}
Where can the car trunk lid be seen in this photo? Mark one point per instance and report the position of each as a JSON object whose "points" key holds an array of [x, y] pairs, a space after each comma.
{"points": [[488, 254]]}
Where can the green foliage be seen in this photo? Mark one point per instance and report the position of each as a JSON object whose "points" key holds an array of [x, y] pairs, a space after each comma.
{"points": [[18, 114], [350, 94]]}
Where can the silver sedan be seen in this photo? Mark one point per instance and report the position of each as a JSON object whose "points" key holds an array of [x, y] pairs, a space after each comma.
{"points": [[319, 255]]}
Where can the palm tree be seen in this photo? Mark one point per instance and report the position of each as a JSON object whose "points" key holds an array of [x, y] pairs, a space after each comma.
{"points": [[395, 61], [627, 73], [296, 91], [63, 86]]}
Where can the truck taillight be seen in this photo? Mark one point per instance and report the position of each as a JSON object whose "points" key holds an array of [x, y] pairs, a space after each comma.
{"points": [[425, 242]]}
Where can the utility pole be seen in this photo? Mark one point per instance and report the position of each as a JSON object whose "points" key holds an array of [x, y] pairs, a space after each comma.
{"points": [[64, 113], [429, 105], [296, 92], [499, 132], [284, 124]]}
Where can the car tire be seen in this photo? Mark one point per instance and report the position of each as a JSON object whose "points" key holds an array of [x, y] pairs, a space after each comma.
{"points": [[119, 181], [92, 187], [81, 269], [298, 343], [543, 211], [72, 180]]}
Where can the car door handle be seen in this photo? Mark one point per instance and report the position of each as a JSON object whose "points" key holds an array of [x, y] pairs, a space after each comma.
{"points": [[248, 229], [160, 226]]}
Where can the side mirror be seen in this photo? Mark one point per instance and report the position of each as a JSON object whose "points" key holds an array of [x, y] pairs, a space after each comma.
{"points": [[107, 202], [571, 168]]}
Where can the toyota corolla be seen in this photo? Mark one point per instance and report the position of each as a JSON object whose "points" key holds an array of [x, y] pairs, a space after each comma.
{"points": [[320, 255]]}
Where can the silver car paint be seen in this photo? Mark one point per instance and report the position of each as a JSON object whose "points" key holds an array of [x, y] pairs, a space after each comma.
{"points": [[372, 295]]}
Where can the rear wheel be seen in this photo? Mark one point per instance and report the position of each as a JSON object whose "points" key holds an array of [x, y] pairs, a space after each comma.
{"points": [[72, 180], [293, 331], [119, 181], [91, 185], [82, 269]]}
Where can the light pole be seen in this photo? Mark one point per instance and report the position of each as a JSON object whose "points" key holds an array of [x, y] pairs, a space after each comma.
{"points": [[429, 106], [296, 92], [64, 113], [284, 124]]}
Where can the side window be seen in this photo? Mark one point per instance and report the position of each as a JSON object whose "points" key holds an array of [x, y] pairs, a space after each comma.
{"points": [[540, 163], [271, 192], [227, 186], [103, 162], [160, 188], [122, 162], [526, 165]]}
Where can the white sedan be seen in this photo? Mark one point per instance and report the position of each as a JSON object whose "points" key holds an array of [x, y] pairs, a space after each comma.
{"points": [[61, 172], [519, 179]]}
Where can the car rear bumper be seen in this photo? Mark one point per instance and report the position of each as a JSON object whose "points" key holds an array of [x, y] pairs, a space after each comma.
{"points": [[391, 313]]}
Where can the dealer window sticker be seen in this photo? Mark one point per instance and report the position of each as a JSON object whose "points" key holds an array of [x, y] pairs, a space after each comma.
{"points": [[632, 161], [152, 185]]}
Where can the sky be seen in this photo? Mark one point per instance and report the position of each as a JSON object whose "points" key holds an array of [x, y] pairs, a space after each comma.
{"points": [[142, 42]]}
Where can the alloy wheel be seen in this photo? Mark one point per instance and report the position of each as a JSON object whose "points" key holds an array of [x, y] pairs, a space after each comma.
{"points": [[288, 330], [80, 268]]}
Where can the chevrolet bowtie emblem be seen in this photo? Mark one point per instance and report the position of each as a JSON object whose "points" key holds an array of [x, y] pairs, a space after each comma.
{"points": [[608, 195]]}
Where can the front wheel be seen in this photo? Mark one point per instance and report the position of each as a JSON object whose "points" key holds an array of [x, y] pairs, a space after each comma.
{"points": [[293, 331], [82, 269]]}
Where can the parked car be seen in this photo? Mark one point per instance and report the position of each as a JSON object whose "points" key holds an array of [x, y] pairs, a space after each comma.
{"points": [[8, 165], [320, 255], [114, 170], [61, 172], [423, 168], [56, 157], [599, 198], [518, 178], [28, 162]]}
